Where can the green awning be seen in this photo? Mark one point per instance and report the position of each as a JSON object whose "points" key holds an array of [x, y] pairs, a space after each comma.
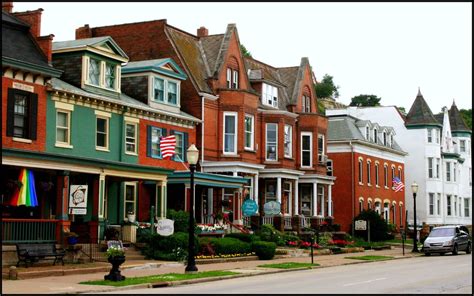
{"points": [[207, 179]]}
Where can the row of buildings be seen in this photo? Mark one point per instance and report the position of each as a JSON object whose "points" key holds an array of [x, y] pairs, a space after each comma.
{"points": [[86, 117]]}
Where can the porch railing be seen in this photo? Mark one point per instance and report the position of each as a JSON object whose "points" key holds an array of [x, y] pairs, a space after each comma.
{"points": [[305, 221], [29, 230], [267, 220], [287, 221], [247, 221]]}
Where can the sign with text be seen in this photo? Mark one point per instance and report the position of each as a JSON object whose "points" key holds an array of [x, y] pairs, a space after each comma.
{"points": [[165, 227], [360, 225], [78, 199], [272, 208], [249, 207]]}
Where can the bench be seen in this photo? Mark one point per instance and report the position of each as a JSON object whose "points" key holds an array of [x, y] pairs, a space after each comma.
{"points": [[39, 251]]}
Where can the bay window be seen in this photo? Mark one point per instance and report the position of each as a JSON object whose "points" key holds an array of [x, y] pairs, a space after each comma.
{"points": [[288, 140], [306, 149], [271, 141], [230, 132]]}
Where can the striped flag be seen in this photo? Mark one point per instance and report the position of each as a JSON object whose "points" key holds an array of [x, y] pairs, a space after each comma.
{"points": [[167, 146], [397, 184]]}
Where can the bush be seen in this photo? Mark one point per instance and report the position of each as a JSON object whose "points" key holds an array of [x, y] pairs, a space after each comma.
{"points": [[290, 238], [264, 250], [229, 245], [245, 237], [378, 227], [181, 220], [173, 247], [268, 233]]}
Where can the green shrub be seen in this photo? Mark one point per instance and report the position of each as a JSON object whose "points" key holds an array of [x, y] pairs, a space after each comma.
{"points": [[290, 238], [172, 247], [264, 250], [229, 245], [268, 233], [378, 227], [245, 237], [181, 220]]}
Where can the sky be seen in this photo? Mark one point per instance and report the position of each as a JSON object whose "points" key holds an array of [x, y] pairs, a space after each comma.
{"points": [[385, 49]]}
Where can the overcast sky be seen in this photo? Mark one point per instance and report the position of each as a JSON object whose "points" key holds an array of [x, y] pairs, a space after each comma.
{"points": [[385, 49]]}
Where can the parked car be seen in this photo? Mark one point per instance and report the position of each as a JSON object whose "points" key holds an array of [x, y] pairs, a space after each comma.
{"points": [[446, 239]]}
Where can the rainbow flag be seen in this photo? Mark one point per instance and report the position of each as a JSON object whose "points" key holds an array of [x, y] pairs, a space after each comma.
{"points": [[26, 195]]}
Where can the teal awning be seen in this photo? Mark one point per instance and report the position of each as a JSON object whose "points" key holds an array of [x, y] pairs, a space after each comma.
{"points": [[206, 179]]}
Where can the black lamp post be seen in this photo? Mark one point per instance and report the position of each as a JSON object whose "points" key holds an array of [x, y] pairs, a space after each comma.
{"points": [[192, 154], [414, 189]]}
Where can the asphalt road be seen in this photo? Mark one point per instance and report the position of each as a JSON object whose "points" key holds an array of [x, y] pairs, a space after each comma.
{"points": [[426, 275]]}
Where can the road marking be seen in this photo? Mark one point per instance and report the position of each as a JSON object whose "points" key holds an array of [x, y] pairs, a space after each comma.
{"points": [[364, 282]]}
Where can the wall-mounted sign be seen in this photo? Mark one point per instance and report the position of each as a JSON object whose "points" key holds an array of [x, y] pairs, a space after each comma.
{"points": [[165, 227], [78, 199], [272, 208], [360, 225], [249, 207]]}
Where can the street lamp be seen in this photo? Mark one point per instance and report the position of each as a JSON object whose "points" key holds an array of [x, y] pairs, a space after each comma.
{"points": [[414, 189], [192, 155]]}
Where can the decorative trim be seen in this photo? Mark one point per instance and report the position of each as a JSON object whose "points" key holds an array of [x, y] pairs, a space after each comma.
{"points": [[21, 140], [103, 114], [63, 106]]}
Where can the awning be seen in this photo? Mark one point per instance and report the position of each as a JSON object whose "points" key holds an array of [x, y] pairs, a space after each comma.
{"points": [[206, 179]]}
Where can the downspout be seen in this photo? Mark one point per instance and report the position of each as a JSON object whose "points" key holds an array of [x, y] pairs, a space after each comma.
{"points": [[202, 131], [122, 132], [352, 185]]}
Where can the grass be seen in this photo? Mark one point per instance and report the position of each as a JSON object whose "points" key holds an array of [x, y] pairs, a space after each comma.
{"points": [[169, 277], [288, 265], [370, 257]]}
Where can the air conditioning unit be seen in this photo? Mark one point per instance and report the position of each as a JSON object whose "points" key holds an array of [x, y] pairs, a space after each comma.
{"points": [[323, 158]]}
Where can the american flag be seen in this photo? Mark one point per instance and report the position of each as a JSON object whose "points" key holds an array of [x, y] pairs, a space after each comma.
{"points": [[167, 146], [397, 184]]}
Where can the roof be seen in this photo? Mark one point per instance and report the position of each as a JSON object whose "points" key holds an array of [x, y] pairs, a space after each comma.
{"points": [[288, 76], [19, 47], [163, 66], [420, 113], [456, 121], [212, 46], [104, 42]]}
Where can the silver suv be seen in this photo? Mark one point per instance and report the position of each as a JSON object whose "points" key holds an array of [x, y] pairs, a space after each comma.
{"points": [[446, 239]]}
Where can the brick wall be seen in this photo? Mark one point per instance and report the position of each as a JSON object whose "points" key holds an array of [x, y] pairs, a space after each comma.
{"points": [[136, 87]]}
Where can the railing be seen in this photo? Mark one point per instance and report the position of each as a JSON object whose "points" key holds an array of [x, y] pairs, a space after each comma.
{"points": [[29, 230], [305, 221], [247, 221], [287, 221], [207, 219], [268, 220]]}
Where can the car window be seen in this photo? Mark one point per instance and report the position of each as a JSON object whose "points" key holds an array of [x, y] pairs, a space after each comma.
{"points": [[464, 228], [442, 232]]}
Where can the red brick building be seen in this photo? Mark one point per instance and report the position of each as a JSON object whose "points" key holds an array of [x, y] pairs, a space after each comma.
{"points": [[365, 158]]}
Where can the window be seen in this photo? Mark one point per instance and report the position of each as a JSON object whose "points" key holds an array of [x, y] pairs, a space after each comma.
{"points": [[235, 79], [391, 140], [286, 198], [455, 205], [249, 127], [166, 91], [385, 173], [288, 140], [466, 207], [437, 135], [438, 204], [131, 138], [377, 174], [63, 127], [270, 190], [431, 203], [430, 139], [360, 170], [321, 148], [20, 127], [329, 168], [367, 133], [400, 173], [109, 76], [361, 205], [460, 206], [369, 204], [21, 114], [229, 78], [384, 138], [368, 172], [156, 134], [306, 104], [306, 149], [377, 207], [227, 197], [375, 136], [400, 207], [94, 71], [386, 216], [448, 171], [454, 172], [179, 148], [271, 141], [230, 133], [269, 95], [430, 167], [438, 161], [393, 173], [470, 176], [102, 131], [448, 204], [462, 145], [130, 198]]}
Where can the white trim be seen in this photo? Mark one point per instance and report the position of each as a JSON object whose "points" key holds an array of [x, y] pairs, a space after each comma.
{"points": [[236, 117], [66, 144], [131, 119], [107, 132], [102, 114], [252, 138], [310, 134], [21, 140], [291, 140], [63, 106], [134, 185], [135, 138], [266, 141]]}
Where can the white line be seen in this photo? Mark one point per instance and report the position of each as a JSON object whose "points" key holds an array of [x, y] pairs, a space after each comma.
{"points": [[364, 282]]}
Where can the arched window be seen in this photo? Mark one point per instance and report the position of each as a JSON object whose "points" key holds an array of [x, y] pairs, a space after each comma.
{"points": [[360, 170], [232, 73]]}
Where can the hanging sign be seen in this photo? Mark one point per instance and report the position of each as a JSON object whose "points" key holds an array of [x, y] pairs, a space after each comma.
{"points": [[165, 227], [78, 199], [272, 208], [249, 207], [360, 225]]}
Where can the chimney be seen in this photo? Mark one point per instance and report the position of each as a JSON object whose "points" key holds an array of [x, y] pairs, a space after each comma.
{"points": [[202, 32], [7, 7], [33, 18], [83, 32], [46, 44]]}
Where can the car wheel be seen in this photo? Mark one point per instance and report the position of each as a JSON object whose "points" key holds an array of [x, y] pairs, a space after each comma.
{"points": [[468, 249], [455, 249], [427, 254]]}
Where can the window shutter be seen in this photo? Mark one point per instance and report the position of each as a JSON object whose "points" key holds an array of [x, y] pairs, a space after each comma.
{"points": [[10, 111], [185, 146], [163, 132], [33, 115], [148, 141]]}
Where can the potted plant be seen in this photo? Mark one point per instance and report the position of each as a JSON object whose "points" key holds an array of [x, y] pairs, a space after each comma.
{"points": [[115, 256], [131, 216], [219, 217], [72, 238]]}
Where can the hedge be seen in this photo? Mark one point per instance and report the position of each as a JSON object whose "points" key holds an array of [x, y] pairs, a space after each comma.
{"points": [[264, 250]]}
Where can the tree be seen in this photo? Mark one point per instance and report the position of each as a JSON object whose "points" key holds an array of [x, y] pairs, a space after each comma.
{"points": [[467, 116], [365, 101], [402, 110], [378, 227], [326, 88], [245, 52]]}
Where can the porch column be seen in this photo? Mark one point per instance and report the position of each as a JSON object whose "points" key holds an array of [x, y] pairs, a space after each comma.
{"points": [[278, 190], [62, 196], [330, 200], [102, 196], [296, 211], [255, 190], [164, 199], [322, 202], [210, 201], [315, 199]]}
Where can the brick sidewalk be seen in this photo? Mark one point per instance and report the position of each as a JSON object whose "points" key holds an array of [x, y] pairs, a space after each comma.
{"points": [[70, 283]]}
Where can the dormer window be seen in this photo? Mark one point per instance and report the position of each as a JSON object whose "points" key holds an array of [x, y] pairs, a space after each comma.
{"points": [[166, 91], [367, 133], [305, 104], [269, 95], [109, 76], [384, 138], [375, 136], [94, 71], [391, 140], [102, 74], [232, 78]]}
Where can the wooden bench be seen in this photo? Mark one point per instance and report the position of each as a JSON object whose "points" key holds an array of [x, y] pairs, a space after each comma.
{"points": [[39, 251]]}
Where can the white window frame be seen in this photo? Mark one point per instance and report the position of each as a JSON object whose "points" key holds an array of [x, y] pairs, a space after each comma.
{"points": [[323, 152], [385, 172], [235, 79], [166, 81], [269, 95], [449, 210], [462, 145], [66, 144], [290, 134], [431, 203], [102, 70], [229, 78], [430, 135], [234, 150], [266, 141], [361, 170], [106, 117], [377, 174], [369, 177], [135, 138], [251, 132], [367, 133], [375, 136], [385, 138], [134, 185], [310, 134], [448, 171], [466, 207]]}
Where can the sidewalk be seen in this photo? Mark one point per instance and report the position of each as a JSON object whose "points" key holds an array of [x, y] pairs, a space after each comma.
{"points": [[69, 284]]}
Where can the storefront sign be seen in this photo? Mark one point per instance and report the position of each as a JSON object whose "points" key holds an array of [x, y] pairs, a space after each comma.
{"points": [[272, 208], [78, 199], [165, 227], [249, 207], [360, 225]]}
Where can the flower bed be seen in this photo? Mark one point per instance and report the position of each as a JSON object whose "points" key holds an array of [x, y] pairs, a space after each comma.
{"points": [[224, 256], [210, 228]]}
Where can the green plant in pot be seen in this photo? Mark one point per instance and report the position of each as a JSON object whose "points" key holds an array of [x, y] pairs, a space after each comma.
{"points": [[116, 256]]}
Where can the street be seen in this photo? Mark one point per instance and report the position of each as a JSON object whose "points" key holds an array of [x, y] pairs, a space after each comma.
{"points": [[430, 275]]}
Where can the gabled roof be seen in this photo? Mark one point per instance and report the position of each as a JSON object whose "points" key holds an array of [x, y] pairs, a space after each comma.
{"points": [[105, 43], [420, 113], [456, 121], [289, 76], [212, 46], [167, 67], [20, 50]]}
